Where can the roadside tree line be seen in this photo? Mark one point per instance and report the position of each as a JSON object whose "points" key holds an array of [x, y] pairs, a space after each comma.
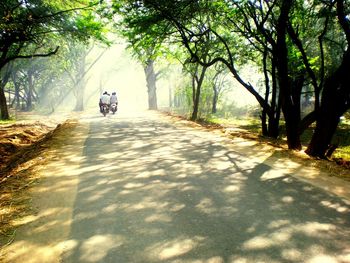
{"points": [[299, 46], [43, 51]]}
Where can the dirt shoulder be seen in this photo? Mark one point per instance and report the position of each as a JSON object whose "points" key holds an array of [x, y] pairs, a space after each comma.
{"points": [[23, 140], [24, 150], [18, 141]]}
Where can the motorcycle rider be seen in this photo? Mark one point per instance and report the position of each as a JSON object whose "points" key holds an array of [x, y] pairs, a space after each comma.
{"points": [[104, 99]]}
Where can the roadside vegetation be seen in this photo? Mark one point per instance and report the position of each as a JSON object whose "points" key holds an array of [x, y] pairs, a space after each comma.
{"points": [[299, 49], [341, 136], [2, 122], [252, 125]]}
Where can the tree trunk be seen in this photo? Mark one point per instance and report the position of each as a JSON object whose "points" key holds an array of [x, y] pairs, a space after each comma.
{"points": [[270, 126], [30, 91], [3, 103], [335, 101], [9, 98], [80, 83], [263, 118], [17, 97], [79, 104], [273, 126], [292, 119], [176, 100], [293, 112], [151, 85], [289, 108], [326, 126], [170, 97], [196, 92], [79, 91], [194, 85], [215, 100], [199, 82]]}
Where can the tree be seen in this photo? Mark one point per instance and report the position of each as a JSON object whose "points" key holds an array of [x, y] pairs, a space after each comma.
{"points": [[194, 22], [145, 42], [253, 25], [77, 67], [197, 73], [336, 89], [4, 78], [30, 28], [218, 82], [294, 40], [151, 78]]}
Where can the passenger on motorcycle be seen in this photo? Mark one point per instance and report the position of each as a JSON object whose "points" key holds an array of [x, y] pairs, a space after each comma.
{"points": [[114, 102], [114, 99], [104, 99]]}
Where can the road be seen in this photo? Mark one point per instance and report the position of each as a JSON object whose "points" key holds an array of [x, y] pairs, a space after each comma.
{"points": [[144, 188]]}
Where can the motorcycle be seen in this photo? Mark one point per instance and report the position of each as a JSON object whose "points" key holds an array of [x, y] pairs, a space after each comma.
{"points": [[104, 109], [114, 108]]}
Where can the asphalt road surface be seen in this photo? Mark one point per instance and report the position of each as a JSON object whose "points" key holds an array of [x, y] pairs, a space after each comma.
{"points": [[152, 190]]}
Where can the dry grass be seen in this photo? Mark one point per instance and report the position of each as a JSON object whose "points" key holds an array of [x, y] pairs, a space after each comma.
{"points": [[20, 174]]}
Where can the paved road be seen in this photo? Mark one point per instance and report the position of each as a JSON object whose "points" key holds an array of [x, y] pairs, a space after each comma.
{"points": [[150, 190]]}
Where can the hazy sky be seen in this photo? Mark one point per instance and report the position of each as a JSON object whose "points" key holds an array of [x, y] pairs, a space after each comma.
{"points": [[119, 72]]}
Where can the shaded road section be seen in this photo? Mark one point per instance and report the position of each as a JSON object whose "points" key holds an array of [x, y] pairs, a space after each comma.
{"points": [[151, 190]]}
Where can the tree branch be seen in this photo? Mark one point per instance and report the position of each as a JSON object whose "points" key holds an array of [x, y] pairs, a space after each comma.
{"points": [[343, 21], [33, 55], [299, 45]]}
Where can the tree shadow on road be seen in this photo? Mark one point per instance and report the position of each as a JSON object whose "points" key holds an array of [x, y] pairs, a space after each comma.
{"points": [[147, 190], [153, 192]]}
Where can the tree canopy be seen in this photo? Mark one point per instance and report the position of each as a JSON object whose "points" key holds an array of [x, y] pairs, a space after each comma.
{"points": [[299, 47]]}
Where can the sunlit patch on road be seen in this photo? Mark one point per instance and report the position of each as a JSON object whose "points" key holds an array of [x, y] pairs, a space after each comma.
{"points": [[96, 248]]}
